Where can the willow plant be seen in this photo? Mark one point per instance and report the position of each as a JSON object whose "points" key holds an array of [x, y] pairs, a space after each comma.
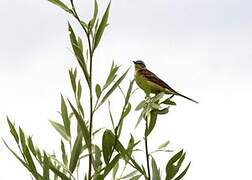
{"points": [[105, 160]]}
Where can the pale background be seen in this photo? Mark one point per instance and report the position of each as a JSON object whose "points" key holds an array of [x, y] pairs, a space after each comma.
{"points": [[202, 48]]}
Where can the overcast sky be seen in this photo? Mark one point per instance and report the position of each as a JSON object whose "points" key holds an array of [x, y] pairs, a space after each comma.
{"points": [[202, 48]]}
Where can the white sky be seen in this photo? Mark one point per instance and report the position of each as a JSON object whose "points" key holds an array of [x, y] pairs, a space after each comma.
{"points": [[201, 48]]}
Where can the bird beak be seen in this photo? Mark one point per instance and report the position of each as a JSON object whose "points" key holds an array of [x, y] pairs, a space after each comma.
{"points": [[134, 62]]}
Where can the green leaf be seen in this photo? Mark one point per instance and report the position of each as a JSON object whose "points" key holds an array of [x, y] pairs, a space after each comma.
{"points": [[78, 53], [162, 146], [75, 152], [101, 27], [140, 105], [183, 173], [155, 105], [65, 117], [131, 145], [129, 91], [136, 177], [126, 111], [13, 130], [110, 166], [163, 111], [98, 90], [92, 22], [116, 84], [155, 170], [83, 126], [107, 146], [61, 129], [158, 97], [139, 119], [64, 154], [171, 168], [30, 162], [80, 44], [46, 175], [57, 172], [73, 79], [152, 123], [22, 138], [168, 102], [97, 163], [110, 115], [61, 5], [79, 90], [114, 170], [111, 76], [23, 162], [31, 146], [124, 153], [130, 174]]}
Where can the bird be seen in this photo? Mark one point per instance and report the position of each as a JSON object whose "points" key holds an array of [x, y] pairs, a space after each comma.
{"points": [[151, 83]]}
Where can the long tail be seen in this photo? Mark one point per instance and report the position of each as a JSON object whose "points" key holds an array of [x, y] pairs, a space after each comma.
{"points": [[187, 98]]}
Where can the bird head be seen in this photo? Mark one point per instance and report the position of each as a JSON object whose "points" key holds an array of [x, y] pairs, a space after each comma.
{"points": [[139, 64]]}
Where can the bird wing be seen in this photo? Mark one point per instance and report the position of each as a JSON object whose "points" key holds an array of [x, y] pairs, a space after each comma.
{"points": [[150, 76]]}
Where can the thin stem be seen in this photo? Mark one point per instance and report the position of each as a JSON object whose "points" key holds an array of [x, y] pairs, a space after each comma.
{"points": [[147, 152], [90, 51], [91, 124]]}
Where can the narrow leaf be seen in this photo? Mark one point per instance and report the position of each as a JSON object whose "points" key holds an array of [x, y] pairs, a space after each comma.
{"points": [[83, 126], [168, 102], [101, 27], [111, 76], [107, 146], [64, 154], [31, 146], [65, 116], [61, 5], [29, 159], [97, 163], [158, 97], [130, 174], [140, 105], [162, 146], [129, 91], [46, 175], [155, 171], [98, 90], [23, 162], [92, 22], [78, 53], [114, 170], [60, 128], [183, 173], [57, 172], [116, 84], [136, 177], [75, 152], [171, 168], [73, 80], [139, 119], [110, 166], [13, 130], [79, 90], [152, 123], [80, 44], [126, 111], [163, 111]]}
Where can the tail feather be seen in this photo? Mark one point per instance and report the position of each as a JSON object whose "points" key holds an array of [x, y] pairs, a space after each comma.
{"points": [[187, 98]]}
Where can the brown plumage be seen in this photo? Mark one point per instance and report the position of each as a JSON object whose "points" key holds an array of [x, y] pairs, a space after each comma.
{"points": [[150, 83]]}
